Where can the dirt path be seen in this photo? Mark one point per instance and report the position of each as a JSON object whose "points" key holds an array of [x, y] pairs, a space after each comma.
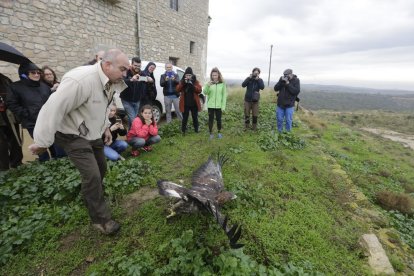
{"points": [[406, 140]]}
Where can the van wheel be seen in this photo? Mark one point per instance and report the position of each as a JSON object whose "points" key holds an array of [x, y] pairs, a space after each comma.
{"points": [[156, 111]]}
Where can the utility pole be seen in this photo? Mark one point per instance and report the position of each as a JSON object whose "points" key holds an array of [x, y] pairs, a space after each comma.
{"points": [[270, 65]]}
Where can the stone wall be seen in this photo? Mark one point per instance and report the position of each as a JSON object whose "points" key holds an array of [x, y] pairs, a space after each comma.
{"points": [[66, 34], [167, 33]]}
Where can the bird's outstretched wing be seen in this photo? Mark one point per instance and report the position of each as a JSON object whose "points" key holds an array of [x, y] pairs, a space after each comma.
{"points": [[209, 174], [233, 232], [168, 188]]}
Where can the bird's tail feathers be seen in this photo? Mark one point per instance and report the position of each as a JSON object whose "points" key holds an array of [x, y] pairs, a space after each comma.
{"points": [[168, 188], [221, 159], [233, 232]]}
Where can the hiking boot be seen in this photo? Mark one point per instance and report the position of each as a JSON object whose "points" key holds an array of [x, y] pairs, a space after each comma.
{"points": [[135, 153], [219, 135], [147, 148], [108, 228], [211, 136]]}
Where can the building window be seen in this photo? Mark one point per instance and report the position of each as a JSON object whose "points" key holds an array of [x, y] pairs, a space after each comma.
{"points": [[174, 4], [192, 43], [174, 60]]}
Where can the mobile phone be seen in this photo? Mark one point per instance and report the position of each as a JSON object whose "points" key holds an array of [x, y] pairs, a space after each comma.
{"points": [[118, 121]]}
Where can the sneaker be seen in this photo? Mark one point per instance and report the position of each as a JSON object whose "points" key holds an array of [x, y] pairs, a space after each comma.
{"points": [[211, 136], [108, 228], [135, 153], [147, 148], [220, 136]]}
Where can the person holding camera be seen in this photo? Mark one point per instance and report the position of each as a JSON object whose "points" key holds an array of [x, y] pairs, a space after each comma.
{"points": [[253, 84], [288, 87], [190, 89], [112, 151], [132, 95], [169, 81], [216, 92]]}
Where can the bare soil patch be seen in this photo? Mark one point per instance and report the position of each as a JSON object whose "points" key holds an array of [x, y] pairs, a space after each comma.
{"points": [[405, 139]]}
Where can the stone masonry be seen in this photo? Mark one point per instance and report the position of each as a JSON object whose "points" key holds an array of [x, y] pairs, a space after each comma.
{"points": [[66, 34]]}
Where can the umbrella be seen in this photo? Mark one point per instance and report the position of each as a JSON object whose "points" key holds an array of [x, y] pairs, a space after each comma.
{"points": [[9, 54]]}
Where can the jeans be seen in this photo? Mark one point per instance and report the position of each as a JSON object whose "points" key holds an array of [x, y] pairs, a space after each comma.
{"points": [[131, 110], [57, 151], [113, 150], [284, 114], [137, 142], [194, 114], [176, 102]]}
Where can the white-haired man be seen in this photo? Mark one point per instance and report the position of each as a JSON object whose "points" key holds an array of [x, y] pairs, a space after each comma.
{"points": [[76, 117]]}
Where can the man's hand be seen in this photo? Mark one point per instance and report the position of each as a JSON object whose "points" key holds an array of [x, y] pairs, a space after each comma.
{"points": [[36, 150], [108, 137]]}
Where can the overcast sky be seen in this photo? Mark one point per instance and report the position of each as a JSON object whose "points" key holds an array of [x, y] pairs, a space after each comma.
{"points": [[368, 43]]}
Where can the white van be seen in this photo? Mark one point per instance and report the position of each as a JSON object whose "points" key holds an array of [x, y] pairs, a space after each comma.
{"points": [[158, 107]]}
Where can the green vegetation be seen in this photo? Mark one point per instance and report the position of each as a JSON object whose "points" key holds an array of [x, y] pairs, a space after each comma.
{"points": [[294, 203]]}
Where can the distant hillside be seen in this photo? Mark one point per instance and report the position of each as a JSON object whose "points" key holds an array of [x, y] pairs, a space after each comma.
{"points": [[341, 101], [357, 90], [334, 88]]}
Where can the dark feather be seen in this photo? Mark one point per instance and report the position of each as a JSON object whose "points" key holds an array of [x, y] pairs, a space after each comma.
{"points": [[207, 187]]}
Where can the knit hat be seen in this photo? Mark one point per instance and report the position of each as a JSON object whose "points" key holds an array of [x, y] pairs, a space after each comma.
{"points": [[188, 70], [25, 68], [287, 72]]}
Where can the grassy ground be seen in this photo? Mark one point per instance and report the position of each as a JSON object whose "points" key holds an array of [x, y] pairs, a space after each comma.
{"points": [[299, 203]]}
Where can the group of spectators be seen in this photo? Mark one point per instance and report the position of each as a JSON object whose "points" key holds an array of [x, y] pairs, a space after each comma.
{"points": [[22, 101], [77, 117], [287, 88]]}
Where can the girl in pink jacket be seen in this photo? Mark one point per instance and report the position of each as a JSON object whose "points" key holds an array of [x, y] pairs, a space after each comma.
{"points": [[143, 131]]}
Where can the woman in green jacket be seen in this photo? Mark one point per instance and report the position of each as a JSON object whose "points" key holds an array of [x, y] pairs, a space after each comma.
{"points": [[216, 93]]}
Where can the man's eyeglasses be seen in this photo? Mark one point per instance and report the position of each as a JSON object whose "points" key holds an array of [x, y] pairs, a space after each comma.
{"points": [[35, 72]]}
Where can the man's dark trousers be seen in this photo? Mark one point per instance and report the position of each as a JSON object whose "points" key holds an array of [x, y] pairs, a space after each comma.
{"points": [[89, 158]]}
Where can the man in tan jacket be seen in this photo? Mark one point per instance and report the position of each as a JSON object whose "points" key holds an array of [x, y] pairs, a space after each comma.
{"points": [[75, 117]]}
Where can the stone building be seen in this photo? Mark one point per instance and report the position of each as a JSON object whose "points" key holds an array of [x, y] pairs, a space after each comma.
{"points": [[66, 34]]}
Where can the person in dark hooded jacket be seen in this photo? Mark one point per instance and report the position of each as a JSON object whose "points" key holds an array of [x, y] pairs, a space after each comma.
{"points": [[26, 98], [150, 93], [190, 89], [253, 84], [289, 88]]}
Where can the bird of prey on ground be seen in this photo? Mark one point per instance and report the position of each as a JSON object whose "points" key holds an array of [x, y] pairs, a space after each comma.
{"points": [[207, 192]]}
